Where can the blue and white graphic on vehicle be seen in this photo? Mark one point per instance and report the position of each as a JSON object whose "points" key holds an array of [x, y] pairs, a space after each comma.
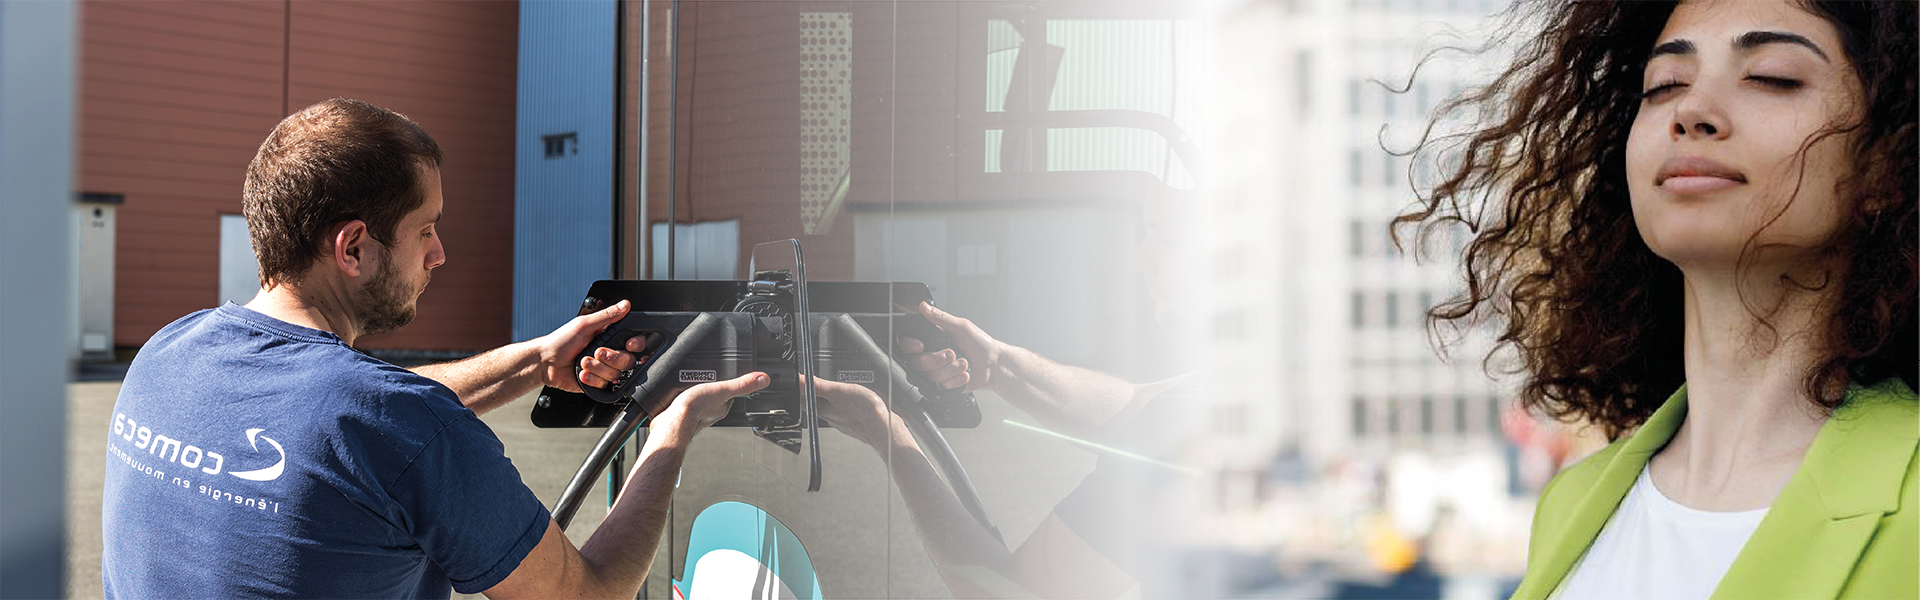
{"points": [[737, 550]]}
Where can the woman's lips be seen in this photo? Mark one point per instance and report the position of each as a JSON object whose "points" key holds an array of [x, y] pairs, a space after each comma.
{"points": [[1697, 184], [1695, 175]]}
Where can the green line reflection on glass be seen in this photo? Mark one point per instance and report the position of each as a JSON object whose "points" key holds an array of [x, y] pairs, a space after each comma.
{"points": [[1104, 447]]}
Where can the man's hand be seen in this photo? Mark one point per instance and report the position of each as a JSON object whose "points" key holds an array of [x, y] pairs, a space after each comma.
{"points": [[1076, 401], [702, 405], [855, 410], [970, 368], [558, 349], [614, 562]]}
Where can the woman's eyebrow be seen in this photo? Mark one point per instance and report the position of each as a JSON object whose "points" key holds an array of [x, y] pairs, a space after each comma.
{"points": [[1746, 42], [1755, 39], [1680, 47]]}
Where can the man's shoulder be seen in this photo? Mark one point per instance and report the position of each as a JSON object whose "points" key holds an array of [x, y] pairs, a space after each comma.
{"points": [[371, 379], [374, 394], [242, 356]]}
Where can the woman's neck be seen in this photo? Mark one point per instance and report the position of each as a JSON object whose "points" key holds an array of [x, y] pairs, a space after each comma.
{"points": [[1749, 420]]}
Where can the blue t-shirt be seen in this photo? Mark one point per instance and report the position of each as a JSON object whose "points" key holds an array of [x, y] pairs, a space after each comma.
{"points": [[1104, 510], [250, 457]]}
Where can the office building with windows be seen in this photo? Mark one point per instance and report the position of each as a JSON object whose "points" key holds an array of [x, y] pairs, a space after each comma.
{"points": [[1331, 398]]}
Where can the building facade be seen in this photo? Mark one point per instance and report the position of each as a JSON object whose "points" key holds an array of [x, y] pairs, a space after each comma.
{"points": [[176, 96], [1334, 398]]}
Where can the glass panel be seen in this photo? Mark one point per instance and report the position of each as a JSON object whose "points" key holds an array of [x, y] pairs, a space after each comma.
{"points": [[239, 269], [835, 124], [706, 250]]}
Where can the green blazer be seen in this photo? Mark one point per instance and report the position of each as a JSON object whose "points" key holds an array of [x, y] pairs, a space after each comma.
{"points": [[1845, 526]]}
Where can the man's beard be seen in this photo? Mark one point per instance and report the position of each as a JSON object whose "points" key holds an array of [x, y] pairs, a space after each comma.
{"points": [[385, 303]]}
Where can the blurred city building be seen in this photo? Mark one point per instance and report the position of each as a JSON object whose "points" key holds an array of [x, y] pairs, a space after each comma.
{"points": [[1338, 434]]}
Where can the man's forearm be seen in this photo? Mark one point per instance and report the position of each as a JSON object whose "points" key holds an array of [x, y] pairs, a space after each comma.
{"points": [[953, 538], [491, 379], [1072, 400], [621, 550]]}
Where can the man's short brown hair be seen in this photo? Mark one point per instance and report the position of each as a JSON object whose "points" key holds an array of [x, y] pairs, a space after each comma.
{"points": [[336, 161]]}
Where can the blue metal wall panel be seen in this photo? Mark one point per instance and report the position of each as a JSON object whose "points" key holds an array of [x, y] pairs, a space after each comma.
{"points": [[563, 236]]}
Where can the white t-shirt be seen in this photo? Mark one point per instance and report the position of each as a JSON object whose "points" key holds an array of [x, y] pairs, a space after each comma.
{"points": [[1654, 547]]}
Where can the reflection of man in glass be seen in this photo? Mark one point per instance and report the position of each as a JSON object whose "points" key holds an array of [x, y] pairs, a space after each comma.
{"points": [[1113, 532]]}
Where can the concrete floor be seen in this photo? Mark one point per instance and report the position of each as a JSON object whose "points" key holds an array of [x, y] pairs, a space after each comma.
{"points": [[1020, 476]]}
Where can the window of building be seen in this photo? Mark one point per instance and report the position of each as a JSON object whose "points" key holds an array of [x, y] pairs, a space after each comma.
{"points": [[1105, 64], [1359, 306], [1230, 419], [1230, 263], [1303, 80], [1354, 174], [1393, 417], [1426, 415], [706, 250], [1393, 308], [1230, 324], [976, 260], [1359, 416], [1460, 414], [560, 144]]}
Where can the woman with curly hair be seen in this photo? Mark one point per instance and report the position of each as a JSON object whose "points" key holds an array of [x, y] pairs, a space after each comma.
{"points": [[1696, 224]]}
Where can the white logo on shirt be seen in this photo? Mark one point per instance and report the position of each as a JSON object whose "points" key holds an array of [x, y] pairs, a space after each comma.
{"points": [[269, 473], [173, 450]]}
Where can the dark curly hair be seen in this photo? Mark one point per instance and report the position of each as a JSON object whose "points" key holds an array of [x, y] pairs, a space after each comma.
{"points": [[1594, 314]]}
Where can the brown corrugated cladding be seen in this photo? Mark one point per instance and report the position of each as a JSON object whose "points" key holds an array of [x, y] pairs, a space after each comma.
{"points": [[176, 97], [451, 67], [925, 100]]}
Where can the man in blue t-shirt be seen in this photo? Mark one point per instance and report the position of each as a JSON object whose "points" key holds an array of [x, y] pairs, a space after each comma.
{"points": [[254, 452], [1087, 547]]}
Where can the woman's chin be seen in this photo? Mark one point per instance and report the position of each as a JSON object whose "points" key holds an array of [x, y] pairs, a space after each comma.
{"points": [[1699, 252], [1729, 254], [1687, 241]]}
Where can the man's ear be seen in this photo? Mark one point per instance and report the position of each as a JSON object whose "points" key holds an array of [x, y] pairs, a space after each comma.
{"points": [[349, 252]]}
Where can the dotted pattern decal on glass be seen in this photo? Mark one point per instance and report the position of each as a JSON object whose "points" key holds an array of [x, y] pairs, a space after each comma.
{"points": [[826, 97]]}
